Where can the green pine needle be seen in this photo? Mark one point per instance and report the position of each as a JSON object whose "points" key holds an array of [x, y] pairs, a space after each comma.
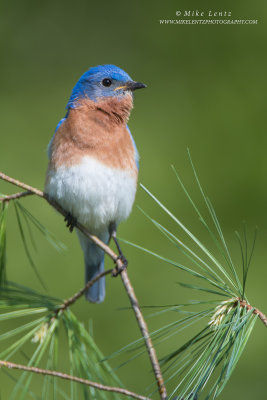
{"points": [[3, 216], [216, 348], [25, 244], [57, 244], [41, 333]]}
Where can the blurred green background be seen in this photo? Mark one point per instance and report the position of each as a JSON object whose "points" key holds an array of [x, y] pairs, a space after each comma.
{"points": [[206, 91]]}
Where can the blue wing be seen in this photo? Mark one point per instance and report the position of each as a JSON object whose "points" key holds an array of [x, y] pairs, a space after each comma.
{"points": [[51, 141], [136, 154]]}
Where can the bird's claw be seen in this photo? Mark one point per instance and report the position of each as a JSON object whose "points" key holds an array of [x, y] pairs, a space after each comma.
{"points": [[71, 221], [117, 271], [123, 259]]}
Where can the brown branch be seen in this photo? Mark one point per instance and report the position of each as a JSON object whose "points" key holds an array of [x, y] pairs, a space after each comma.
{"points": [[256, 311], [124, 276], [22, 185], [79, 294], [144, 330], [15, 196], [61, 375]]}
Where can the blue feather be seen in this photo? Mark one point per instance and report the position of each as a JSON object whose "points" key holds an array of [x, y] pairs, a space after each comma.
{"points": [[90, 85], [136, 153]]}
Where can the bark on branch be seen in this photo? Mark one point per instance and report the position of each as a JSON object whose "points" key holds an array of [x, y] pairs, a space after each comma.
{"points": [[61, 375]]}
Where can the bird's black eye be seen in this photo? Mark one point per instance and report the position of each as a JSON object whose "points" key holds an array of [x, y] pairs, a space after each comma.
{"points": [[106, 82]]}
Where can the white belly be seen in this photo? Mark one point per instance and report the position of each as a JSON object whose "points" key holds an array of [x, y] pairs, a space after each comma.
{"points": [[93, 193]]}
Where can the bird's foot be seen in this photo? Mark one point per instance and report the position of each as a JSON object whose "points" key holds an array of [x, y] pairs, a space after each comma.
{"points": [[113, 234], [71, 221], [117, 271]]}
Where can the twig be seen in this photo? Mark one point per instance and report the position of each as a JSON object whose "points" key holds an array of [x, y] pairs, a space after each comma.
{"points": [[124, 276], [256, 311], [21, 184], [72, 378], [144, 330], [15, 196], [79, 294]]}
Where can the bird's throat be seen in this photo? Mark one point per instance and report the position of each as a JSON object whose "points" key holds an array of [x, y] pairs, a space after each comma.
{"points": [[113, 110]]}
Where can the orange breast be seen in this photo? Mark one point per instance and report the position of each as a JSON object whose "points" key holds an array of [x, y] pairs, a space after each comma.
{"points": [[95, 131]]}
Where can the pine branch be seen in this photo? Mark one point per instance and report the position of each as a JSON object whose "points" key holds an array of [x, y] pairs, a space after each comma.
{"points": [[61, 375], [15, 196], [256, 311], [124, 276], [144, 330], [81, 292]]}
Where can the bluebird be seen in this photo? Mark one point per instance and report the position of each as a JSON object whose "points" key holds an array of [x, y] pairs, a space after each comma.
{"points": [[93, 162]]}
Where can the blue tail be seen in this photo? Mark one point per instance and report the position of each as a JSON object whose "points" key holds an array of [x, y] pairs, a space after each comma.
{"points": [[96, 293], [94, 265]]}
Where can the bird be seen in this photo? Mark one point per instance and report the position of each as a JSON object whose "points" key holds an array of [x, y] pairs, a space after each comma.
{"points": [[93, 163]]}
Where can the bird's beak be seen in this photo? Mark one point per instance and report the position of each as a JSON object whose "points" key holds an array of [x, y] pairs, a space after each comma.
{"points": [[131, 85]]}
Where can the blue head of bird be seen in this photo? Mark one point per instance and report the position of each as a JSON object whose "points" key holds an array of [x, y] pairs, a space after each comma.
{"points": [[103, 81]]}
